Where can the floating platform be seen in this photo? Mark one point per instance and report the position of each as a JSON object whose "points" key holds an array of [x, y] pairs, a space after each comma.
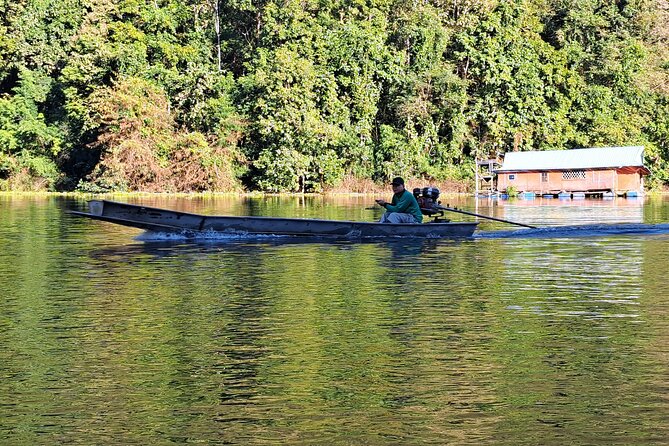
{"points": [[575, 195]]}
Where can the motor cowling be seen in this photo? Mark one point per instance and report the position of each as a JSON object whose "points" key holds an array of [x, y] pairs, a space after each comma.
{"points": [[427, 199], [431, 193]]}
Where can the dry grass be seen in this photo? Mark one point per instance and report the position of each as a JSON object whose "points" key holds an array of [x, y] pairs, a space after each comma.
{"points": [[24, 180], [143, 150], [352, 185]]}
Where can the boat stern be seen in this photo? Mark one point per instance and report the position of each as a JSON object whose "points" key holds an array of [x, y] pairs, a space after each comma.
{"points": [[96, 207]]}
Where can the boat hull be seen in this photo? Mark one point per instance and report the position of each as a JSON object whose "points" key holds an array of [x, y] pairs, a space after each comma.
{"points": [[163, 220]]}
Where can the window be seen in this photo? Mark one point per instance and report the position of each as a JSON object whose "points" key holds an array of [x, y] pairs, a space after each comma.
{"points": [[544, 177], [573, 174], [512, 177]]}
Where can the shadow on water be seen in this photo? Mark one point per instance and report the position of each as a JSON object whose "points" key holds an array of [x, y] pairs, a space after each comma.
{"points": [[164, 245], [159, 245]]}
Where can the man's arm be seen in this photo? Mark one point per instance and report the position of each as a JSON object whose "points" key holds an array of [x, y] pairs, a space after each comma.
{"points": [[402, 205]]}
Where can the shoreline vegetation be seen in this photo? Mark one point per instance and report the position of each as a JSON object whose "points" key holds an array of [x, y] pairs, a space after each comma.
{"points": [[380, 192], [364, 188], [181, 96]]}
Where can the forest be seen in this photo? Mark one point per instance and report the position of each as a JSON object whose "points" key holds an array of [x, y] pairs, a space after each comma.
{"points": [[310, 95]]}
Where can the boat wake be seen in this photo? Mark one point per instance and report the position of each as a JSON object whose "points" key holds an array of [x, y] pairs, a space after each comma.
{"points": [[571, 231], [596, 230], [154, 236]]}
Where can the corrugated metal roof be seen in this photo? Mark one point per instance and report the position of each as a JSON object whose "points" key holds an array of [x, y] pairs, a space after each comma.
{"points": [[593, 158]]}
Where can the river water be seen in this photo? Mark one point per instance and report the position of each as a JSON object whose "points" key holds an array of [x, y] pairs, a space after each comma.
{"points": [[540, 337]]}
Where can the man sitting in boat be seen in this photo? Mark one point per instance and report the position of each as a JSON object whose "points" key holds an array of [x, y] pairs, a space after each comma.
{"points": [[404, 207]]}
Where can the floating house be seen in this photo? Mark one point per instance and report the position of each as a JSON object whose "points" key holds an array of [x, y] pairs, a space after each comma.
{"points": [[602, 171]]}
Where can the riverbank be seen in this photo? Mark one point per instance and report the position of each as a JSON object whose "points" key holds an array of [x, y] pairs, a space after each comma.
{"points": [[349, 186], [368, 191]]}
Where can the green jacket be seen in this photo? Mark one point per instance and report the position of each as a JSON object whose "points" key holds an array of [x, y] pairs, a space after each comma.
{"points": [[405, 203]]}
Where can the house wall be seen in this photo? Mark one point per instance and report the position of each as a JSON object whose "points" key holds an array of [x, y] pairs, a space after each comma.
{"points": [[595, 180], [629, 181]]}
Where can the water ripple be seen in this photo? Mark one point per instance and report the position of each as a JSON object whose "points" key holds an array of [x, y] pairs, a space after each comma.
{"points": [[523, 340]]}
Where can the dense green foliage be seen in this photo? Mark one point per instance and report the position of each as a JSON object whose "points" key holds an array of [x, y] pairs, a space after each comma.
{"points": [[191, 95]]}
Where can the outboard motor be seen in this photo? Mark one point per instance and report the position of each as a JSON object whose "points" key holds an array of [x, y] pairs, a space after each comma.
{"points": [[427, 200], [430, 196]]}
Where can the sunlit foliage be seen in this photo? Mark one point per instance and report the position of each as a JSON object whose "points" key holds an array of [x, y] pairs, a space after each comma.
{"points": [[181, 95]]}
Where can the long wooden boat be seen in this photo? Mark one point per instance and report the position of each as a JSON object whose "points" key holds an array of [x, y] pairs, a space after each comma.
{"points": [[163, 220]]}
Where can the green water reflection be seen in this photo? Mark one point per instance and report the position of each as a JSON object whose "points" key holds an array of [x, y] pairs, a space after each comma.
{"points": [[108, 340]]}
